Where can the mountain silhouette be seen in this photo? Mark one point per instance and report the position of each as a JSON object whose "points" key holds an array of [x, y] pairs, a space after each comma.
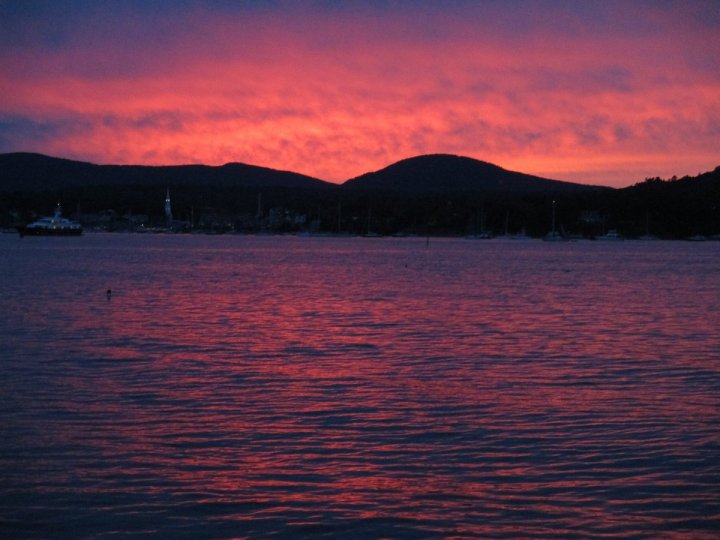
{"points": [[37, 172], [437, 173], [426, 174]]}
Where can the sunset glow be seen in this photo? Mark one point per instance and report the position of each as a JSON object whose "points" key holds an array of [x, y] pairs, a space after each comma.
{"points": [[602, 93]]}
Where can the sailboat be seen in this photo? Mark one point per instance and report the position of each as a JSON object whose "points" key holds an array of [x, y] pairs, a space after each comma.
{"points": [[482, 234], [553, 235], [370, 233], [647, 235], [522, 235]]}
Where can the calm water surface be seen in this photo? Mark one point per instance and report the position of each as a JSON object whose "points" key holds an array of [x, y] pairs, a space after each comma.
{"points": [[239, 386]]}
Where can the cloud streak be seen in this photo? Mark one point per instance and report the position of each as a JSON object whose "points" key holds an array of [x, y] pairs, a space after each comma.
{"points": [[603, 94]]}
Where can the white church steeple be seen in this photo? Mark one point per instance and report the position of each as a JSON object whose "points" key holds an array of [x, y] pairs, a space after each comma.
{"points": [[168, 207]]}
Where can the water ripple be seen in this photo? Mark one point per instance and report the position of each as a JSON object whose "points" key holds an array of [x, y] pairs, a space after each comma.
{"points": [[296, 388]]}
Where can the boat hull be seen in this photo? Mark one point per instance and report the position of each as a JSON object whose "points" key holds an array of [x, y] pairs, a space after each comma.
{"points": [[38, 231]]}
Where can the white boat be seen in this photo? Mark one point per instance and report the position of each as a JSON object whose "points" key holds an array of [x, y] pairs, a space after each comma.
{"points": [[611, 236], [479, 236], [522, 235], [553, 236], [52, 226]]}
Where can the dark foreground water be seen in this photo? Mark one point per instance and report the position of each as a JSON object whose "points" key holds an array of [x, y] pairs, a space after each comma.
{"points": [[365, 388]]}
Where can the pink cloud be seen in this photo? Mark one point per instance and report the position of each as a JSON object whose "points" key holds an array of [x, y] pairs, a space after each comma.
{"points": [[593, 95]]}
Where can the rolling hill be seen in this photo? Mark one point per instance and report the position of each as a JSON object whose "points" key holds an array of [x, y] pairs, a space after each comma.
{"points": [[36, 172], [437, 173]]}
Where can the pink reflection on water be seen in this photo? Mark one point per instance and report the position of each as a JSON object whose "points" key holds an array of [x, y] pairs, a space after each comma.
{"points": [[436, 389]]}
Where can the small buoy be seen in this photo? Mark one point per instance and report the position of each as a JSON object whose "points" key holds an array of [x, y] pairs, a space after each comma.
{"points": [[108, 293]]}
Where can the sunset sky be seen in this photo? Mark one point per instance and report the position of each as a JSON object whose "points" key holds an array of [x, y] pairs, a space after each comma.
{"points": [[596, 92]]}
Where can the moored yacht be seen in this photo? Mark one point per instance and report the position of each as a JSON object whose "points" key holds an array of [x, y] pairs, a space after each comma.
{"points": [[553, 235], [611, 236], [52, 226]]}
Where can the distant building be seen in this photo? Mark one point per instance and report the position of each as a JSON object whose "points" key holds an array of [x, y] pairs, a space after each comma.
{"points": [[168, 208], [172, 224]]}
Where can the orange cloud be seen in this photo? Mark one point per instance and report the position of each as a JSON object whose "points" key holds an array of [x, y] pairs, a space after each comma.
{"points": [[588, 95]]}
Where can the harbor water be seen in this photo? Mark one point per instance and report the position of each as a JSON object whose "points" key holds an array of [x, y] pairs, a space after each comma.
{"points": [[192, 386]]}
